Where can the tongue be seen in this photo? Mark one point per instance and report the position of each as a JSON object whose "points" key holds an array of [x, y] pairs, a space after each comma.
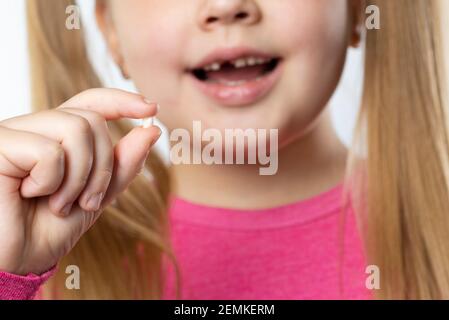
{"points": [[229, 73]]}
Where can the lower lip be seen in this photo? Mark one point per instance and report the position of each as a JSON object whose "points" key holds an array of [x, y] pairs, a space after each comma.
{"points": [[240, 95]]}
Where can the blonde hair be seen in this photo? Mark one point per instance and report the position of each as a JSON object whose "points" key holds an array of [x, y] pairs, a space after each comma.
{"points": [[403, 191], [405, 206], [124, 252]]}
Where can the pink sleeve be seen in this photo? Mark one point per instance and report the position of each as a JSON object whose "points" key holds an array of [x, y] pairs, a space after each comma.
{"points": [[13, 287]]}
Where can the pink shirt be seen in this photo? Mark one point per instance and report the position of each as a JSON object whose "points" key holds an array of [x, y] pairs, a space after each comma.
{"points": [[288, 252]]}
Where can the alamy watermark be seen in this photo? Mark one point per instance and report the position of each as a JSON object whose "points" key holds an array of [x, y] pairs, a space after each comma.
{"points": [[233, 147], [372, 21], [373, 280], [73, 21], [73, 280]]}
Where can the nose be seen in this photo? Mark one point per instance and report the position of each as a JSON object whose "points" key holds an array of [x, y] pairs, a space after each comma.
{"points": [[216, 13]]}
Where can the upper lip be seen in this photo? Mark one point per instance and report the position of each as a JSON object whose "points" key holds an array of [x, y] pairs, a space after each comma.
{"points": [[221, 55]]}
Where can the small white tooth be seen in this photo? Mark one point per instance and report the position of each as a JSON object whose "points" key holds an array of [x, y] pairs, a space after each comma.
{"points": [[240, 63], [147, 123], [216, 66], [251, 61], [260, 61]]}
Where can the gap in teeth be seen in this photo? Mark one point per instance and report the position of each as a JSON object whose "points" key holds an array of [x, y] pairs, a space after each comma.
{"points": [[238, 63]]}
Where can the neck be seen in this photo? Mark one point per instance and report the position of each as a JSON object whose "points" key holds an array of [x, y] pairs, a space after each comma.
{"points": [[312, 164]]}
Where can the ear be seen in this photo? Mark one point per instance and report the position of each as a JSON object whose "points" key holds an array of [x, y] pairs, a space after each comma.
{"points": [[106, 25], [355, 23]]}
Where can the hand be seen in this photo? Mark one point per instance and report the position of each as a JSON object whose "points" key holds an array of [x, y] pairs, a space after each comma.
{"points": [[59, 170]]}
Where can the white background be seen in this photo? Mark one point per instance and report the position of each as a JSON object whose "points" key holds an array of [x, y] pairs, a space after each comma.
{"points": [[14, 86]]}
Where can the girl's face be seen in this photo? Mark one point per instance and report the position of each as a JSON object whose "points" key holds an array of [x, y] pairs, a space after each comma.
{"points": [[259, 64]]}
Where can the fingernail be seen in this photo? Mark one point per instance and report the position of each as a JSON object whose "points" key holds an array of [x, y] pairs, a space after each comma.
{"points": [[147, 101], [156, 138], [66, 210], [94, 201]]}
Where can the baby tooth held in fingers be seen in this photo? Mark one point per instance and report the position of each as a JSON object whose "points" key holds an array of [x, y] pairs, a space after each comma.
{"points": [[148, 123]]}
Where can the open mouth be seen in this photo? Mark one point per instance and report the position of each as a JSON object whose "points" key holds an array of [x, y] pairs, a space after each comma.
{"points": [[236, 72], [237, 76]]}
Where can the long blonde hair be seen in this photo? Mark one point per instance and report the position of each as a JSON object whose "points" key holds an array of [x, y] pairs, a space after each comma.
{"points": [[405, 191], [123, 255], [404, 121]]}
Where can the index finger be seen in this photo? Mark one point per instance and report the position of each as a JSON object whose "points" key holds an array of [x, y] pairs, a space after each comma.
{"points": [[113, 104]]}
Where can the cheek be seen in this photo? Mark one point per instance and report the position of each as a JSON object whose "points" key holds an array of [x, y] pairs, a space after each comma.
{"points": [[319, 27], [317, 46], [306, 19], [319, 49], [151, 46]]}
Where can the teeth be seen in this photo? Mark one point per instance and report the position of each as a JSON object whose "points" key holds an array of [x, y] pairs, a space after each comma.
{"points": [[216, 66], [147, 123], [250, 61], [213, 67], [239, 63]]}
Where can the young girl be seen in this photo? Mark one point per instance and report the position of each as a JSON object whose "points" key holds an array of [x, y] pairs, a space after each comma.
{"points": [[226, 232]]}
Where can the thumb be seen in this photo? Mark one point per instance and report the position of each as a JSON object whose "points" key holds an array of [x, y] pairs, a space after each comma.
{"points": [[130, 155]]}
